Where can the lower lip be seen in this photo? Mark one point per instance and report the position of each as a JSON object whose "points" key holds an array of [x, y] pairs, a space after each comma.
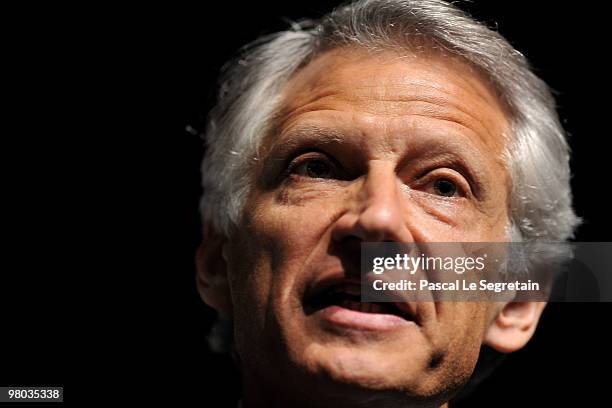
{"points": [[352, 319]]}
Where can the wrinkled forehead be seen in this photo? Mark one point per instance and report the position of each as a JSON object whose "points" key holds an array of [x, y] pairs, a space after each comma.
{"points": [[393, 85]]}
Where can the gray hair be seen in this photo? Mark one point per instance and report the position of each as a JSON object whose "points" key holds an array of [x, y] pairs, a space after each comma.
{"points": [[536, 155]]}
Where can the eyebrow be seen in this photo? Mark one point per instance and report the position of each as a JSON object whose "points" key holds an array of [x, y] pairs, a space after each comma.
{"points": [[299, 138], [465, 162], [307, 134]]}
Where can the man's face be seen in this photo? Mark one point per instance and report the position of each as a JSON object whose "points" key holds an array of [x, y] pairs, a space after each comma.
{"points": [[366, 148]]}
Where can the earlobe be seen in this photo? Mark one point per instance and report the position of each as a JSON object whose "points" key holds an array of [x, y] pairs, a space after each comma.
{"points": [[211, 271], [513, 326]]}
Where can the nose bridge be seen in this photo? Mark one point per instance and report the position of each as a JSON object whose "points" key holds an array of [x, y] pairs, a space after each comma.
{"points": [[380, 187], [380, 213]]}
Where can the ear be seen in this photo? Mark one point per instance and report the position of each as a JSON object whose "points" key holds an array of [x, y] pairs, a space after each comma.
{"points": [[513, 326], [211, 271]]}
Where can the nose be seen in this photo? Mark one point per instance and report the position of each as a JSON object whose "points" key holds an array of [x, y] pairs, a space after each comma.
{"points": [[376, 212]]}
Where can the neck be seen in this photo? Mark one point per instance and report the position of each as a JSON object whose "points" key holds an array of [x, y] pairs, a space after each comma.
{"points": [[248, 403], [257, 395]]}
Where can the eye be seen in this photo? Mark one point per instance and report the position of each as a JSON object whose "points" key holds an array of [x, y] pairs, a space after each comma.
{"points": [[313, 168], [445, 187]]}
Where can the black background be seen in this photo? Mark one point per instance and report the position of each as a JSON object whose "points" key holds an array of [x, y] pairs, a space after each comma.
{"points": [[136, 325]]}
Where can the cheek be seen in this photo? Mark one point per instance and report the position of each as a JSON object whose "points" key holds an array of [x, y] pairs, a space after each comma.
{"points": [[456, 338], [434, 219], [270, 254], [461, 327], [266, 266], [249, 284], [296, 220]]}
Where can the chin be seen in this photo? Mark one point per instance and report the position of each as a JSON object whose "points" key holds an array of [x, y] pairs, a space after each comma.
{"points": [[355, 374], [363, 361], [376, 346]]}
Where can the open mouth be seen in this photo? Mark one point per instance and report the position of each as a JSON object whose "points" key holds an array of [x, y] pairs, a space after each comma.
{"points": [[348, 296]]}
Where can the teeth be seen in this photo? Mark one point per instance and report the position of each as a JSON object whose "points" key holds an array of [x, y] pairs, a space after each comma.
{"points": [[361, 307], [349, 289], [375, 308], [349, 304]]}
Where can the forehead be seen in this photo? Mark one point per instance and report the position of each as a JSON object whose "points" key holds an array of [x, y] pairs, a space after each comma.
{"points": [[388, 87]]}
